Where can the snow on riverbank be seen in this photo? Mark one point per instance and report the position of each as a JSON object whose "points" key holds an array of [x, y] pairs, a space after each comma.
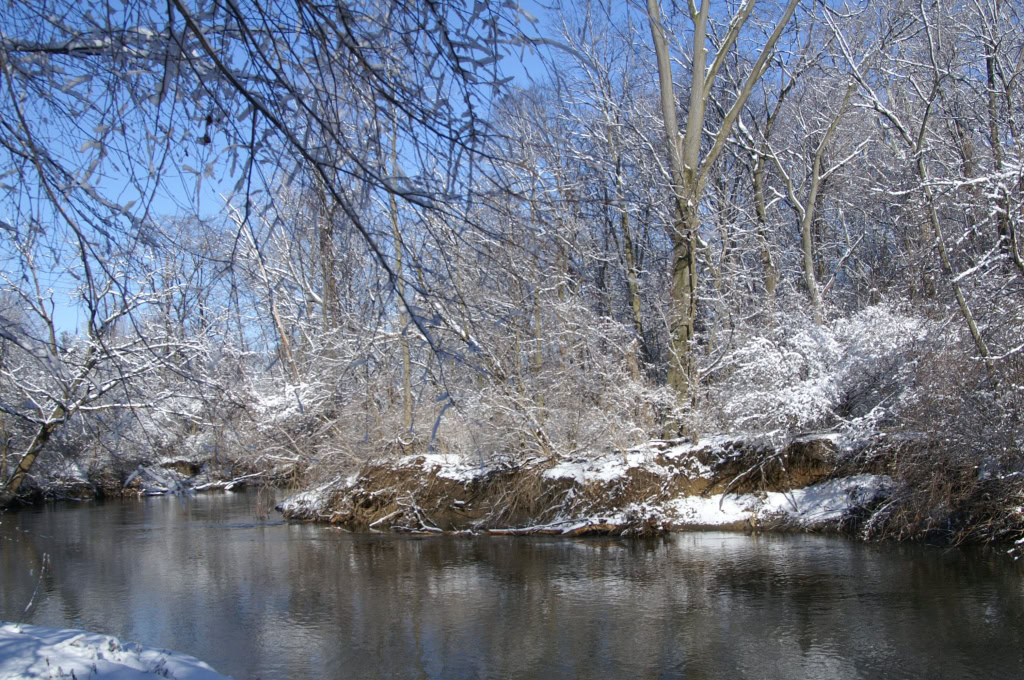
{"points": [[721, 482], [809, 506], [36, 652]]}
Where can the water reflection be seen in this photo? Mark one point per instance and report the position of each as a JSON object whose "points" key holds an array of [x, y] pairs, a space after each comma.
{"points": [[264, 599]]}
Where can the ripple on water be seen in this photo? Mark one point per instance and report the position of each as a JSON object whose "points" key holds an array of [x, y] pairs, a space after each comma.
{"points": [[262, 598]]}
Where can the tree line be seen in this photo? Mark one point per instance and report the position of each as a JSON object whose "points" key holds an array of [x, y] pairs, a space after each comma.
{"points": [[506, 230]]}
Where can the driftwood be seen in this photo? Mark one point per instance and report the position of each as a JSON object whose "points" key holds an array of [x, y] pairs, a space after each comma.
{"points": [[593, 529], [228, 484], [154, 482]]}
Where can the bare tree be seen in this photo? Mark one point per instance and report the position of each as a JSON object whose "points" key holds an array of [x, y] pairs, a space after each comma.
{"points": [[689, 163]]}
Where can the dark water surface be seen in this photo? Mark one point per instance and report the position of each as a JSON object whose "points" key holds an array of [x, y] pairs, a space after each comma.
{"points": [[265, 599]]}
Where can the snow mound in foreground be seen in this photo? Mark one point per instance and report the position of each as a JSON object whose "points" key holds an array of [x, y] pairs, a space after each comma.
{"points": [[36, 652]]}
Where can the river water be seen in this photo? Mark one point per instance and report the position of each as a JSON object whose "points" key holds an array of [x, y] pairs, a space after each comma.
{"points": [[261, 598]]}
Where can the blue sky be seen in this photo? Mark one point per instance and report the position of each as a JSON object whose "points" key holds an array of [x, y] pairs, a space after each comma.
{"points": [[183, 192]]}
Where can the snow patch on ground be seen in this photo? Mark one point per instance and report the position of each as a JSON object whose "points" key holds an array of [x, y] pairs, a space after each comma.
{"points": [[611, 466], [808, 506], [450, 466], [828, 500], [36, 652], [712, 510], [669, 475], [315, 501]]}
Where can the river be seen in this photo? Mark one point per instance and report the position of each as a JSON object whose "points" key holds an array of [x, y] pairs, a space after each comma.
{"points": [[260, 598]]}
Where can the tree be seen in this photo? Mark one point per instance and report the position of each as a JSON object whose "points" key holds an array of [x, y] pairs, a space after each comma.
{"points": [[806, 208], [103, 104], [51, 378], [690, 166]]}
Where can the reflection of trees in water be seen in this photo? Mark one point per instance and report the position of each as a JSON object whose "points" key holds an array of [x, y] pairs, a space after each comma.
{"points": [[514, 604], [20, 562], [64, 540], [202, 576]]}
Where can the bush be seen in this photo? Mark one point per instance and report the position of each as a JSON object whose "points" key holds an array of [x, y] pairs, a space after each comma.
{"points": [[856, 373]]}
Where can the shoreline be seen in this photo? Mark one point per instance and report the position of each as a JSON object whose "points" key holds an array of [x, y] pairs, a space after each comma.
{"points": [[37, 651], [723, 483], [810, 483]]}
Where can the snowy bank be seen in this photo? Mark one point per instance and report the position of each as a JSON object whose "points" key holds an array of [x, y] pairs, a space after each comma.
{"points": [[722, 482], [36, 652], [165, 476]]}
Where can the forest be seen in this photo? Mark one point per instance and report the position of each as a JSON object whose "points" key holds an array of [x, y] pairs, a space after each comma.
{"points": [[300, 235]]}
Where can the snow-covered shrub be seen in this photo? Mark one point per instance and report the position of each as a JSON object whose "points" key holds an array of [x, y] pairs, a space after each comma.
{"points": [[959, 459], [800, 376]]}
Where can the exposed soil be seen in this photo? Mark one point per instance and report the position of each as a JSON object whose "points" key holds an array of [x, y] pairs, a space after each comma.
{"points": [[622, 493]]}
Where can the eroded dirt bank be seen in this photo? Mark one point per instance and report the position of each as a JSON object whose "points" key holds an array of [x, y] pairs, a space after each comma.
{"points": [[662, 486]]}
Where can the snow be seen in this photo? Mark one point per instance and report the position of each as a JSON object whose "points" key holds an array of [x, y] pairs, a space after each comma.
{"points": [[449, 466], [712, 510], [37, 652], [313, 502], [828, 500], [609, 467], [810, 505], [605, 468], [650, 470], [796, 377]]}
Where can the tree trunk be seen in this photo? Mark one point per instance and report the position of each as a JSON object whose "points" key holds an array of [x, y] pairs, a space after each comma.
{"points": [[685, 194], [689, 168], [5, 447], [632, 274], [1004, 227], [771, 274], [58, 415], [947, 266], [683, 299], [538, 355], [807, 246], [28, 459], [325, 235], [285, 347]]}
